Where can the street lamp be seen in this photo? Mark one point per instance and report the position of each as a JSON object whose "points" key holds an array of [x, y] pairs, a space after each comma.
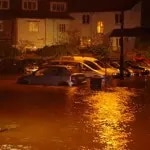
{"points": [[122, 46]]}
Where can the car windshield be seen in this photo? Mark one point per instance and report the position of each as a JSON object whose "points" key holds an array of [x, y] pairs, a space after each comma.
{"points": [[72, 69], [92, 65], [102, 64]]}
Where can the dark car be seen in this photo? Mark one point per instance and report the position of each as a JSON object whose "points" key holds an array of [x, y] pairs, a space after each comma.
{"points": [[54, 75], [127, 71], [137, 69]]}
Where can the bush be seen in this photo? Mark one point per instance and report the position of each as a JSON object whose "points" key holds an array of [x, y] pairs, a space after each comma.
{"points": [[7, 50], [56, 51], [99, 51]]}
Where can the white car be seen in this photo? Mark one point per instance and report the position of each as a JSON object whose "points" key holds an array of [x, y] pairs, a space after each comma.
{"points": [[88, 70], [54, 75], [91, 65]]}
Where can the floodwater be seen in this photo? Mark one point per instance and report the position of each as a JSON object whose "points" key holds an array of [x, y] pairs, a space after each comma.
{"points": [[74, 118]]}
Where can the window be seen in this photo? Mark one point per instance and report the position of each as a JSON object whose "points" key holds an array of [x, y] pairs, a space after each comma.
{"points": [[30, 4], [62, 28], [85, 19], [118, 18], [100, 27], [115, 43], [33, 26], [58, 6], [85, 41], [4, 4], [1, 26]]}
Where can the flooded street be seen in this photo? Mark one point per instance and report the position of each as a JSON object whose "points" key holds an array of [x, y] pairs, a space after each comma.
{"points": [[75, 118]]}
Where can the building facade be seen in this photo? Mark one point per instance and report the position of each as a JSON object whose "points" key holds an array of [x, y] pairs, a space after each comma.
{"points": [[97, 27], [37, 23], [33, 23]]}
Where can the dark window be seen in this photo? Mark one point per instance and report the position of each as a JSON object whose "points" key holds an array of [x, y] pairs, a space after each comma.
{"points": [[85, 19], [4, 4], [58, 6], [117, 18]]}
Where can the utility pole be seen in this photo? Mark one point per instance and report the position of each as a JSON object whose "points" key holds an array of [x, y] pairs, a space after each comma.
{"points": [[122, 46]]}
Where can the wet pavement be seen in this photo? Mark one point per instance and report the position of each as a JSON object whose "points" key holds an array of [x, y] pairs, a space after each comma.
{"points": [[75, 118]]}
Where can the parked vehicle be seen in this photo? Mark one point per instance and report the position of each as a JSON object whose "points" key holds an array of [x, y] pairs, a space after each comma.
{"points": [[110, 70], [92, 61], [89, 71], [30, 68], [10, 65], [137, 69], [90, 66], [31, 65], [127, 71], [54, 75]]}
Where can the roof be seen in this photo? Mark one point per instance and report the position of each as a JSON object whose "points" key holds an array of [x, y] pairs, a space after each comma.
{"points": [[100, 5], [139, 31]]}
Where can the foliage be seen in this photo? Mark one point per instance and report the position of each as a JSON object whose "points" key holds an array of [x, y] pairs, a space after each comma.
{"points": [[56, 51], [142, 46], [74, 38], [99, 51], [6, 50], [24, 44]]}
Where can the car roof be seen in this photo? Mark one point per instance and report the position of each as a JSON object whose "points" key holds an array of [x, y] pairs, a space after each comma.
{"points": [[58, 66]]}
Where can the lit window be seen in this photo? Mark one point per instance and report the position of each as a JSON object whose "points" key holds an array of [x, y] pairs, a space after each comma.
{"points": [[118, 18], [62, 28], [30, 4], [1, 26], [58, 6], [85, 19], [115, 43], [118, 42], [4, 4], [33, 26], [85, 41], [100, 27]]}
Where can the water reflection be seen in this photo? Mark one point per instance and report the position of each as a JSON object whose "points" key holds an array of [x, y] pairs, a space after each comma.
{"points": [[61, 118], [111, 117]]}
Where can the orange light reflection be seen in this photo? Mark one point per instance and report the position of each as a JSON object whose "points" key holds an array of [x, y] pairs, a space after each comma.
{"points": [[111, 117]]}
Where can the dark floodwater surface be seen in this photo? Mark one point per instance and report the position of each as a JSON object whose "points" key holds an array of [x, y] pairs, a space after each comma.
{"points": [[73, 118]]}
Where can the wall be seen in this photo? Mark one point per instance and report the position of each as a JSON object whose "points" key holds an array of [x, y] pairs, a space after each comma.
{"points": [[48, 33], [132, 18]]}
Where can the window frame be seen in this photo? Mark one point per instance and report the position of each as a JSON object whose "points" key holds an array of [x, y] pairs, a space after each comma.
{"points": [[118, 18], [58, 6], [86, 19], [30, 5], [62, 28], [3, 2], [33, 26]]}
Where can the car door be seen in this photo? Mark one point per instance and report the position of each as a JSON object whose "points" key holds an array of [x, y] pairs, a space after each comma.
{"points": [[53, 76], [38, 77]]}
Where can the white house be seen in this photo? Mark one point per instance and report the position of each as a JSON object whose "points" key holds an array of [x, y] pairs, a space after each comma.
{"points": [[97, 27], [36, 23], [37, 33]]}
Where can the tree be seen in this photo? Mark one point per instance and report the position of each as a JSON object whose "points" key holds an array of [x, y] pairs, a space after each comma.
{"points": [[6, 50], [142, 45], [56, 51], [100, 51]]}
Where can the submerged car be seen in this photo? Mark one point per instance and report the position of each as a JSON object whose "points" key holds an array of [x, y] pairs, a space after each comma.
{"points": [[138, 70], [30, 68], [126, 71], [54, 75]]}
